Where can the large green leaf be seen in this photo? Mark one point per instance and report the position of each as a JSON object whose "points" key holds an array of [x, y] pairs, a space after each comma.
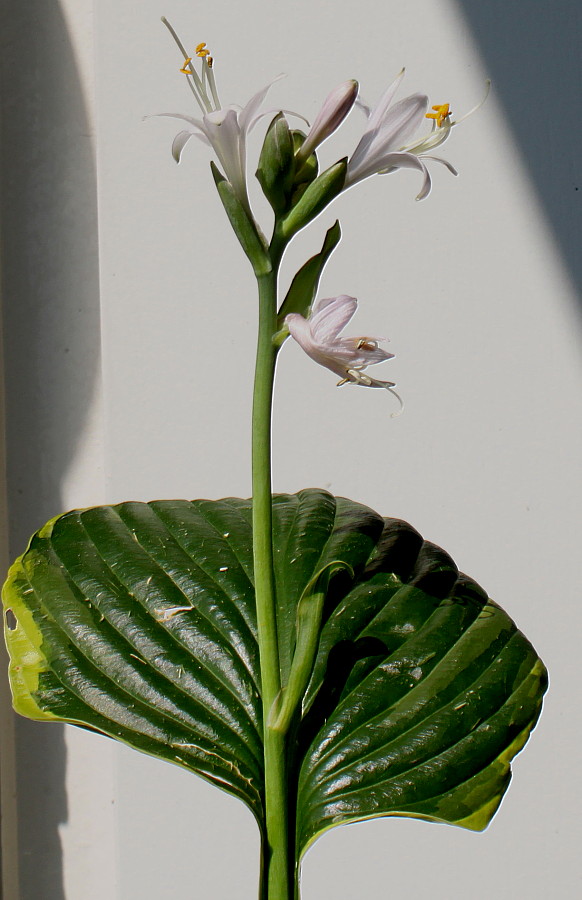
{"points": [[422, 693], [138, 621]]}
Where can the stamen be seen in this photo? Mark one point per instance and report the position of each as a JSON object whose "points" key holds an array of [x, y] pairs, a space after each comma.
{"points": [[204, 53], [356, 376], [441, 112], [212, 83], [366, 344], [359, 377], [184, 70], [194, 80]]}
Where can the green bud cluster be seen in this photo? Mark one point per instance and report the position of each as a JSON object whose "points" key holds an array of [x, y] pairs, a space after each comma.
{"points": [[294, 187]]}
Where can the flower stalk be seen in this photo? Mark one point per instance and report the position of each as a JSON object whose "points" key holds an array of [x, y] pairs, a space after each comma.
{"points": [[278, 879], [297, 191]]}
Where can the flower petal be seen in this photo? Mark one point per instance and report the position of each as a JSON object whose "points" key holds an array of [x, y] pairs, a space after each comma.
{"points": [[300, 329], [246, 115], [330, 316], [322, 353], [443, 162], [195, 123], [390, 162], [391, 134], [179, 143], [401, 121], [362, 351], [409, 161], [223, 131], [376, 116]]}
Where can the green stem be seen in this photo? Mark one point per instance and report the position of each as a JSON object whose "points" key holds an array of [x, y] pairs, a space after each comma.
{"points": [[278, 876], [262, 498]]}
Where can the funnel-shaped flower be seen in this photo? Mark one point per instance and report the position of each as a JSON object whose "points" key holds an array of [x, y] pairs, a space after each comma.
{"points": [[224, 128], [319, 337], [386, 143], [335, 108]]}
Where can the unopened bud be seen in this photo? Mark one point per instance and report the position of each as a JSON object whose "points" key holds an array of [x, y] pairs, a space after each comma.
{"points": [[335, 108]]}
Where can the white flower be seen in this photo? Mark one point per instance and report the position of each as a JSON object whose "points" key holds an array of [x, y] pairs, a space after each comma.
{"points": [[225, 129], [386, 143], [319, 337], [335, 108]]}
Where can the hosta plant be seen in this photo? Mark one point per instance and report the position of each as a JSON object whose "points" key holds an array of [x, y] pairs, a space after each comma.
{"points": [[323, 663]]}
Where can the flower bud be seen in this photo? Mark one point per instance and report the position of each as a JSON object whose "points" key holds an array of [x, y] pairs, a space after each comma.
{"points": [[335, 108], [275, 170]]}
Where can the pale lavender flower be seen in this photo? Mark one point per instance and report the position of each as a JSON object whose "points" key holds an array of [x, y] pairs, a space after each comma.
{"points": [[319, 337], [386, 143], [224, 128], [335, 108]]}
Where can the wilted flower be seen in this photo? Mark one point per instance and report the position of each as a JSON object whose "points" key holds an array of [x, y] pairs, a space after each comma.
{"points": [[335, 108], [225, 129], [386, 143], [319, 337]]}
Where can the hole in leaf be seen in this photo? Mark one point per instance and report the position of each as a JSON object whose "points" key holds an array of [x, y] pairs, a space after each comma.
{"points": [[11, 620]]}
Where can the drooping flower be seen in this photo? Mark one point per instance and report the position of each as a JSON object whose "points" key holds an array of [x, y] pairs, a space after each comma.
{"points": [[319, 337], [387, 142], [225, 129], [335, 108]]}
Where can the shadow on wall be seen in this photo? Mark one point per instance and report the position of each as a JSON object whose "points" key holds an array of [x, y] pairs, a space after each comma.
{"points": [[50, 280], [51, 331], [531, 52]]}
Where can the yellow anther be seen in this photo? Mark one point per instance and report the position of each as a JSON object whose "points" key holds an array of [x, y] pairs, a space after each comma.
{"points": [[186, 70], [365, 344], [204, 53], [441, 112]]}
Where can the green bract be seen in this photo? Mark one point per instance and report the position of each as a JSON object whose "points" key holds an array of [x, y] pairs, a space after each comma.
{"points": [[308, 168], [303, 289], [139, 621], [318, 194], [244, 227]]}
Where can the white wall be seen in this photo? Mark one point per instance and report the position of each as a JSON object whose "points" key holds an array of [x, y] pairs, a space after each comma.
{"points": [[476, 288]]}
